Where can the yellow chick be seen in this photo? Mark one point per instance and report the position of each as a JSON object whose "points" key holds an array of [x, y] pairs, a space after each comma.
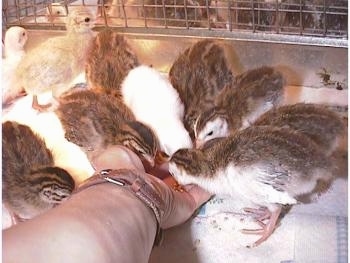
{"points": [[53, 65]]}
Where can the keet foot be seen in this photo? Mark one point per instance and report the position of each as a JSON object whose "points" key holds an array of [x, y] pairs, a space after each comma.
{"points": [[266, 219], [40, 107]]}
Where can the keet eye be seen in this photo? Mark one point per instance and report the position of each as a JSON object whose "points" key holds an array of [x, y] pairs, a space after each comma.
{"points": [[210, 133]]}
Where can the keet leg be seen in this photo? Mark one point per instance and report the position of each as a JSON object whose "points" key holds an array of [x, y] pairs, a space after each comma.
{"points": [[267, 228], [39, 107], [260, 214]]}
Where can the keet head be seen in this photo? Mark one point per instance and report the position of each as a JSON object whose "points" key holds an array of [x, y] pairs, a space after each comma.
{"points": [[56, 12], [210, 125], [178, 163], [15, 39], [141, 140], [55, 184], [80, 20], [184, 165]]}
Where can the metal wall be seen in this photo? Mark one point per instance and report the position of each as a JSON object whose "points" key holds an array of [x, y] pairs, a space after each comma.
{"points": [[306, 39]]}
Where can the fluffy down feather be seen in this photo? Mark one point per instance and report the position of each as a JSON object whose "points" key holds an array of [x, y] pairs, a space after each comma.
{"points": [[53, 65], [156, 103], [15, 40]]}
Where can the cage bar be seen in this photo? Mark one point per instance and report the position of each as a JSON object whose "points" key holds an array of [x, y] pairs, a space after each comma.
{"points": [[299, 21]]}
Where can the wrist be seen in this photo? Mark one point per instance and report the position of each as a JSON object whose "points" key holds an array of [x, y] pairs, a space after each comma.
{"points": [[124, 222], [139, 184]]}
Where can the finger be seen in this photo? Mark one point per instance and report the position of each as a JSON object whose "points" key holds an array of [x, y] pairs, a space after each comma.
{"points": [[184, 204], [181, 207], [199, 195]]}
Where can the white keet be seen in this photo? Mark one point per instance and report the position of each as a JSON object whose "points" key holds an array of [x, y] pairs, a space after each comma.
{"points": [[15, 39], [155, 102]]}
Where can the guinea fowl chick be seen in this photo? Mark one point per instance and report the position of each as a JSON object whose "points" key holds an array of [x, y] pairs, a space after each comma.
{"points": [[53, 64], [15, 39], [107, 8], [31, 184], [56, 12], [163, 113], [268, 166], [199, 74], [240, 103], [94, 121], [187, 13], [109, 60], [323, 126]]}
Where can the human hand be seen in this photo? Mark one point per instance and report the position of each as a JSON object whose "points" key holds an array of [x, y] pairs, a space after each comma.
{"points": [[178, 205]]}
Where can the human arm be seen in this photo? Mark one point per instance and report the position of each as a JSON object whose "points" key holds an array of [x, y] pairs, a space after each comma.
{"points": [[102, 223]]}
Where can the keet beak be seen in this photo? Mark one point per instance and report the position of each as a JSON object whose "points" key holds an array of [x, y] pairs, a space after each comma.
{"points": [[198, 143], [161, 158]]}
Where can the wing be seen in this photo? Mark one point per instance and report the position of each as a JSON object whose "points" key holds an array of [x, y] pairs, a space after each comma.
{"points": [[46, 67], [262, 184]]}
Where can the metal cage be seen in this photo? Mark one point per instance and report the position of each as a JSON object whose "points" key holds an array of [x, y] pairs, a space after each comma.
{"points": [[299, 21]]}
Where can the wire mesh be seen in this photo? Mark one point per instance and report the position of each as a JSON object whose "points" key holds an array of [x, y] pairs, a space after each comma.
{"points": [[305, 18]]}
